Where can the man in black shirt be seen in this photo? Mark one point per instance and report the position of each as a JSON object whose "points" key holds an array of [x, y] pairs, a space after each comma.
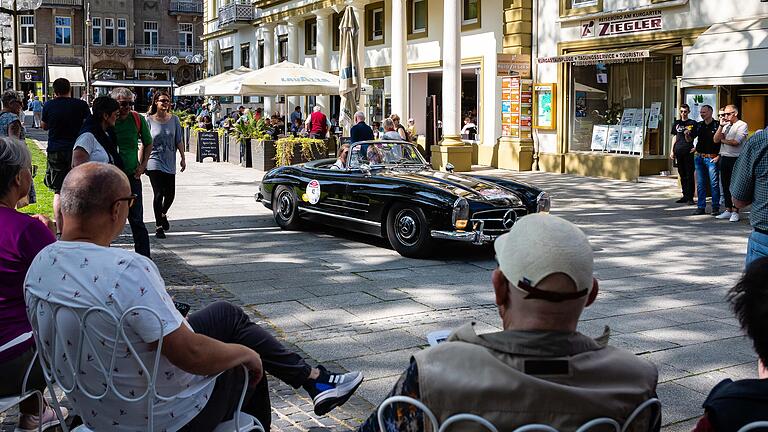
{"points": [[682, 151], [360, 131], [707, 155]]}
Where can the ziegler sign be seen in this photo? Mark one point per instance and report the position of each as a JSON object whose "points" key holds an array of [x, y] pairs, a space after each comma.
{"points": [[638, 22]]}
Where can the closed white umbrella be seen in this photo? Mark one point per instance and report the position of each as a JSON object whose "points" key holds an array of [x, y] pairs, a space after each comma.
{"points": [[197, 88], [284, 78], [349, 69]]}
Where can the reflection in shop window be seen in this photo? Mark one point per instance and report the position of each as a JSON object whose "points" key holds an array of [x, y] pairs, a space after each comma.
{"points": [[617, 108]]}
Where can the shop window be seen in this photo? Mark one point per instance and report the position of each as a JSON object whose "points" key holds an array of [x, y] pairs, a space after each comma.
{"points": [[470, 14], [618, 108], [186, 38], [374, 23], [417, 19], [245, 55], [310, 36], [336, 20], [580, 7], [26, 29], [122, 32], [63, 30], [109, 31], [282, 48]]}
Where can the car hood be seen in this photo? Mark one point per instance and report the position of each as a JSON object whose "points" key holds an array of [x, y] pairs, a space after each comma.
{"points": [[460, 185]]}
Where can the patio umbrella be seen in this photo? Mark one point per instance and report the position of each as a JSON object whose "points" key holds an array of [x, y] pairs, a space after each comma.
{"points": [[197, 88], [349, 69]]}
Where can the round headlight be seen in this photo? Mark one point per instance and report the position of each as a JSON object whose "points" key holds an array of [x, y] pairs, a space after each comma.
{"points": [[543, 203], [460, 214]]}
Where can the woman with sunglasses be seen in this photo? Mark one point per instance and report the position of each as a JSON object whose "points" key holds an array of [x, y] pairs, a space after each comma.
{"points": [[21, 238], [167, 138], [97, 141]]}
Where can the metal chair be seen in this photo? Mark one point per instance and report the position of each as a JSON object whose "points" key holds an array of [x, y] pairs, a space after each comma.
{"points": [[8, 402], [72, 350], [754, 426]]}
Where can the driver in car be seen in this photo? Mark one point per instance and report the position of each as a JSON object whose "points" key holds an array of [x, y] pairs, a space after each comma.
{"points": [[342, 160]]}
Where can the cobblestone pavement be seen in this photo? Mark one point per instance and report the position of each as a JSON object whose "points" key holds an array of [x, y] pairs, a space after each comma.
{"points": [[351, 301]]}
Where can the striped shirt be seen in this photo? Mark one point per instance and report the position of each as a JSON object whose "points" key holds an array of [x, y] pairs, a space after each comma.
{"points": [[750, 178]]}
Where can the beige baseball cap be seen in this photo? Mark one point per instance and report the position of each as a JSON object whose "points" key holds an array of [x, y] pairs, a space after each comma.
{"points": [[539, 245]]}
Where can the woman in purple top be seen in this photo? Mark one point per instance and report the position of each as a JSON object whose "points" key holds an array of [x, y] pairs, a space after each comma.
{"points": [[21, 238]]}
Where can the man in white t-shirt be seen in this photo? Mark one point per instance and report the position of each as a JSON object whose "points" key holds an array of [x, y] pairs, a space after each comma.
{"points": [[731, 134], [81, 271]]}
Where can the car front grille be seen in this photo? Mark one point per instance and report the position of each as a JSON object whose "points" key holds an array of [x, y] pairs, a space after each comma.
{"points": [[494, 220]]}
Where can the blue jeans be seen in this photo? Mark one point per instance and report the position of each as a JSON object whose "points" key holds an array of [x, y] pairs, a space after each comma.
{"points": [[757, 247], [707, 170]]}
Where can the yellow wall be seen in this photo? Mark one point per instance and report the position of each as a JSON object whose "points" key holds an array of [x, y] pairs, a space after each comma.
{"points": [[753, 112]]}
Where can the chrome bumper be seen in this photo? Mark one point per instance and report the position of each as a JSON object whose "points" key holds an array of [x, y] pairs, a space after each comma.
{"points": [[475, 237]]}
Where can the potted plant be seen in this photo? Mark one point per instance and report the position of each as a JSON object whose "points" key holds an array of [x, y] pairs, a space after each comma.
{"points": [[246, 134]]}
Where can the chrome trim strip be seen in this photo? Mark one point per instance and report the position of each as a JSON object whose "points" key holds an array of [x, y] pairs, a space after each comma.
{"points": [[343, 207], [348, 201], [347, 218], [469, 237]]}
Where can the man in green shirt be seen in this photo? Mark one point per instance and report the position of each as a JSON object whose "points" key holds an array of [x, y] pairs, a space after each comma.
{"points": [[130, 128]]}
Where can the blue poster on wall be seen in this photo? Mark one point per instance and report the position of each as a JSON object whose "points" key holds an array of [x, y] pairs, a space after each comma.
{"points": [[506, 106]]}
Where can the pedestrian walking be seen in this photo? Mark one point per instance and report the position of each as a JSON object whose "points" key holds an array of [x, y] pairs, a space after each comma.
{"points": [[37, 112], [97, 141], [360, 131], [749, 185], [11, 125], [705, 161], [167, 138], [62, 118], [682, 152], [317, 124], [131, 128], [731, 134]]}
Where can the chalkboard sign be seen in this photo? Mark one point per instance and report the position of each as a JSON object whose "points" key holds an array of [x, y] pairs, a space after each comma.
{"points": [[208, 146]]}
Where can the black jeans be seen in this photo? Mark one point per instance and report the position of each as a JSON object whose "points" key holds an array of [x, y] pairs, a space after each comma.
{"points": [[228, 323], [685, 168], [164, 189], [726, 171], [136, 220]]}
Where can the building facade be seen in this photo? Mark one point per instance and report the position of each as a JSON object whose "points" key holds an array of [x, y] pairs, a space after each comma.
{"points": [[105, 43], [441, 56], [621, 69]]}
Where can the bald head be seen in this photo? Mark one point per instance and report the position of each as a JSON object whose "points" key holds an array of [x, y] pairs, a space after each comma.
{"points": [[91, 188]]}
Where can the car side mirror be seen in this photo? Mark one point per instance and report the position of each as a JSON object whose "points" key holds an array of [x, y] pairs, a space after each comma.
{"points": [[365, 169], [449, 167]]}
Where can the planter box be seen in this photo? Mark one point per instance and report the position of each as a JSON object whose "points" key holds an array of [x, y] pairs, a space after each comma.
{"points": [[263, 154]]}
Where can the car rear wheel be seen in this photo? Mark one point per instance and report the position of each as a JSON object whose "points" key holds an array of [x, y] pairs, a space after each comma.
{"points": [[408, 231], [285, 207]]}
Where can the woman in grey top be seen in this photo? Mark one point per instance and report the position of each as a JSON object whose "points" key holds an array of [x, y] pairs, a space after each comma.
{"points": [[161, 168]]}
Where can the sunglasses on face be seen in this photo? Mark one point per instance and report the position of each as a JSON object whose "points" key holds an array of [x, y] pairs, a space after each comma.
{"points": [[124, 104], [729, 113], [164, 101], [130, 199]]}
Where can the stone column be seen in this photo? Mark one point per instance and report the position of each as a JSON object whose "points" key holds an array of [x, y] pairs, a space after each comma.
{"points": [[399, 61], [451, 148], [269, 58], [293, 55], [323, 51]]}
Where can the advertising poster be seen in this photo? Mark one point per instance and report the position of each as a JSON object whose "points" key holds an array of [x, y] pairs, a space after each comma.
{"points": [[544, 108], [599, 137], [653, 116], [506, 106], [696, 98], [613, 139]]}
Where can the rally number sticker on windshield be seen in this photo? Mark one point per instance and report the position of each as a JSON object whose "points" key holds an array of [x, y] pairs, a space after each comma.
{"points": [[313, 192]]}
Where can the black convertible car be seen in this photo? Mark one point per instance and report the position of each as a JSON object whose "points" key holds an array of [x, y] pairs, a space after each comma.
{"points": [[386, 188]]}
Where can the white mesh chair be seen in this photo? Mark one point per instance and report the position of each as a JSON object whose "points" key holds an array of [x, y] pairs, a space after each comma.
{"points": [[8, 402], [754, 426], [76, 347]]}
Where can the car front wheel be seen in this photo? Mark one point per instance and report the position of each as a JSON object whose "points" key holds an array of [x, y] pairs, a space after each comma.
{"points": [[285, 207], [408, 231]]}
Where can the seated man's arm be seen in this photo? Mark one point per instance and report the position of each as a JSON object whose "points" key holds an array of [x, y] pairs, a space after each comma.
{"points": [[400, 420], [202, 355]]}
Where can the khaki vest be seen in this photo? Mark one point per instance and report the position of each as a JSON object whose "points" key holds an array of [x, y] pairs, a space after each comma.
{"points": [[485, 375]]}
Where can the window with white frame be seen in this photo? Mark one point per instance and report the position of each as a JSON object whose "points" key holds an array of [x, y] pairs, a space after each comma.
{"points": [[186, 34], [418, 17], [151, 35], [26, 29], [470, 12], [583, 3], [109, 31], [122, 32], [310, 36], [63, 30], [377, 21], [96, 31]]}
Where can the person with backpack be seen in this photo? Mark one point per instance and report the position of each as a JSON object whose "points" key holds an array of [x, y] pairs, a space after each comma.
{"points": [[134, 141]]}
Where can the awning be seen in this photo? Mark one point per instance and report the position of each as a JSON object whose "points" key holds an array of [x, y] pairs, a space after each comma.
{"points": [[617, 55], [731, 53], [74, 74], [131, 83]]}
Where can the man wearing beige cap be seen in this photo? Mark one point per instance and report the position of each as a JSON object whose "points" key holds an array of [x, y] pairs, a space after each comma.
{"points": [[539, 369]]}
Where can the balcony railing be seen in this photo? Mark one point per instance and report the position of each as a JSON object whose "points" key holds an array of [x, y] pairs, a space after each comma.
{"points": [[185, 7], [155, 51], [237, 12], [62, 2]]}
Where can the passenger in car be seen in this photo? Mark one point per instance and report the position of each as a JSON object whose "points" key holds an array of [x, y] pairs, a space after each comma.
{"points": [[341, 162], [374, 154]]}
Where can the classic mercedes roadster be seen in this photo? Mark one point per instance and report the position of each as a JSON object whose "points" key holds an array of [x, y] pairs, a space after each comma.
{"points": [[386, 188]]}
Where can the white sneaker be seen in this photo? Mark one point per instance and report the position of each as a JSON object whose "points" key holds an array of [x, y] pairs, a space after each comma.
{"points": [[734, 217], [724, 215]]}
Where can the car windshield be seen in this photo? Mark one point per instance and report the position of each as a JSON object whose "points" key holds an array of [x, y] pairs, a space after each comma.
{"points": [[382, 153]]}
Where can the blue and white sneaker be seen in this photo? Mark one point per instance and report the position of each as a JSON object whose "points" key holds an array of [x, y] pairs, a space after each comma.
{"points": [[330, 390]]}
